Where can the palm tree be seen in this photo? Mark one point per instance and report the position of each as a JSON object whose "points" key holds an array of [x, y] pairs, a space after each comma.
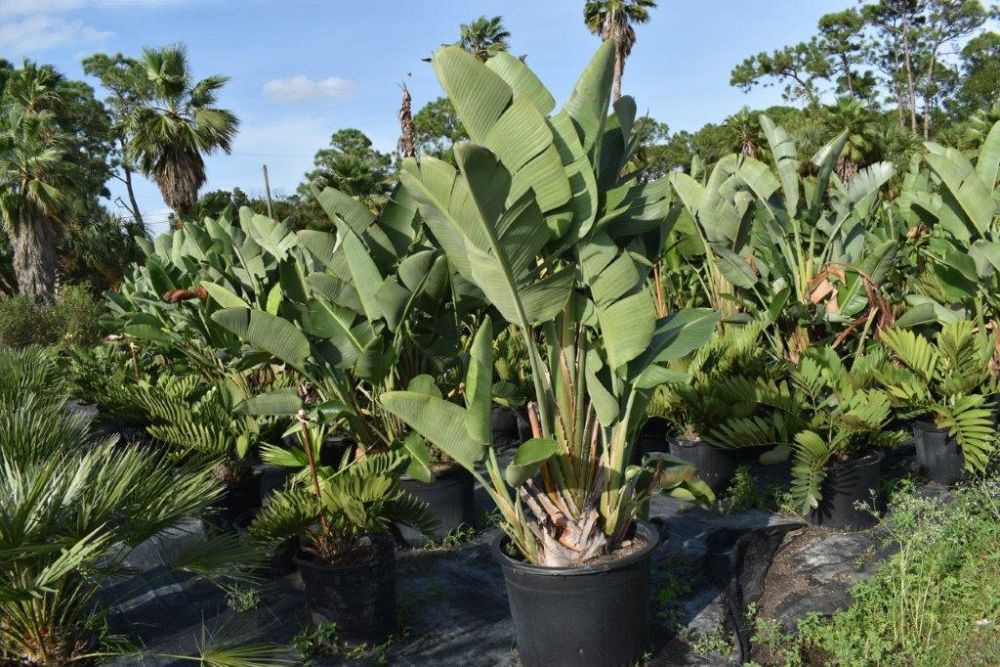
{"points": [[484, 37], [613, 19], [862, 147], [34, 178], [176, 125]]}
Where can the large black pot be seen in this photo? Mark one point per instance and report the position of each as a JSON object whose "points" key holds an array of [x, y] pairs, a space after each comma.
{"points": [[503, 426], [938, 454], [360, 598], [450, 497], [715, 466], [846, 484], [241, 496], [590, 616], [652, 438]]}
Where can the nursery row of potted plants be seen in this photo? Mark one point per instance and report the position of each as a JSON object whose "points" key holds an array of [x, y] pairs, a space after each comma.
{"points": [[513, 294]]}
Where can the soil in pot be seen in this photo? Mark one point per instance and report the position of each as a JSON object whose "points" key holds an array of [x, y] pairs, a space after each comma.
{"points": [[715, 466], [938, 454], [241, 496], [847, 484], [450, 497], [590, 616], [360, 597]]}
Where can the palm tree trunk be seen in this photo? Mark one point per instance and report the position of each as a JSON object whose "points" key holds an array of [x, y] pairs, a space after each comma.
{"points": [[35, 259], [616, 90], [136, 215]]}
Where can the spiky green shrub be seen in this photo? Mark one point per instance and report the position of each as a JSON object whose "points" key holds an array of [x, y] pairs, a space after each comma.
{"points": [[824, 411], [950, 380], [73, 507], [31, 371]]}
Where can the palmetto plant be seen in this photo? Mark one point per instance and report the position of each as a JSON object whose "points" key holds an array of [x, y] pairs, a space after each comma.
{"points": [[72, 509], [538, 216], [337, 509], [176, 125], [950, 380], [484, 37]]}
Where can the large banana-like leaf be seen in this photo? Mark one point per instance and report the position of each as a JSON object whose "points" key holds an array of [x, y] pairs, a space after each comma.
{"points": [[266, 332]]}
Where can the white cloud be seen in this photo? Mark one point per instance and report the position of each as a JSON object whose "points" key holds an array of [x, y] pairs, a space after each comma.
{"points": [[35, 7], [37, 33], [302, 89]]}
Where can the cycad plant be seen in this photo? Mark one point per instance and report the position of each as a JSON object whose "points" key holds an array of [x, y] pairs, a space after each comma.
{"points": [[950, 380], [337, 510], [824, 412], [718, 383], [539, 217]]}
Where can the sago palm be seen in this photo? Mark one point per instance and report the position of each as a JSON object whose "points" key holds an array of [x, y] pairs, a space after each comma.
{"points": [[484, 37], [34, 179], [177, 126], [613, 20]]}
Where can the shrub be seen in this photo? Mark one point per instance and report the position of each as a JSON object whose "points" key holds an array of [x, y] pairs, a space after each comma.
{"points": [[24, 322], [77, 314]]}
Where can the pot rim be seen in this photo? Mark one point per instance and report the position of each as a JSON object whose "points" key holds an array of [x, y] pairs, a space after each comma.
{"points": [[647, 530], [869, 458]]}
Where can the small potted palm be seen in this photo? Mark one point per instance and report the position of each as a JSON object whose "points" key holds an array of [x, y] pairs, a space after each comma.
{"points": [[947, 385], [542, 216], [344, 519], [718, 383]]}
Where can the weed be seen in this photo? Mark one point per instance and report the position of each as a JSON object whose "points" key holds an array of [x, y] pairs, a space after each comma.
{"points": [[323, 641], [243, 598], [456, 536]]}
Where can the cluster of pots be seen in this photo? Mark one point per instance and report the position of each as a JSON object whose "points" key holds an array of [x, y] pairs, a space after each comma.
{"points": [[597, 614]]}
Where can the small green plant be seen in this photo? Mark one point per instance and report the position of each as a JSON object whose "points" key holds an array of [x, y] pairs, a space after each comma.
{"points": [[243, 597], [323, 641], [456, 536], [715, 643], [745, 494]]}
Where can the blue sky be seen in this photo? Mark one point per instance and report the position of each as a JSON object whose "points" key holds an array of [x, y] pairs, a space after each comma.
{"points": [[301, 69]]}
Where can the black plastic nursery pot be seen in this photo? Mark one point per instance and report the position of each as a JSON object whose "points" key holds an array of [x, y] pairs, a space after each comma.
{"points": [[450, 497], [938, 454], [715, 466], [503, 426], [242, 496], [590, 616], [847, 483], [360, 597], [652, 438]]}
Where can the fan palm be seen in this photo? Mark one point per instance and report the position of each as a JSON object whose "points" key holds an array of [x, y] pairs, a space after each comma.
{"points": [[177, 125], [613, 20], [484, 37], [34, 178], [862, 135]]}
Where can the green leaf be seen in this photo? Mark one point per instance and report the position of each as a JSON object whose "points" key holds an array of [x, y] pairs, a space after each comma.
{"points": [[267, 333], [478, 384], [440, 422], [528, 460], [223, 296], [284, 401]]}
